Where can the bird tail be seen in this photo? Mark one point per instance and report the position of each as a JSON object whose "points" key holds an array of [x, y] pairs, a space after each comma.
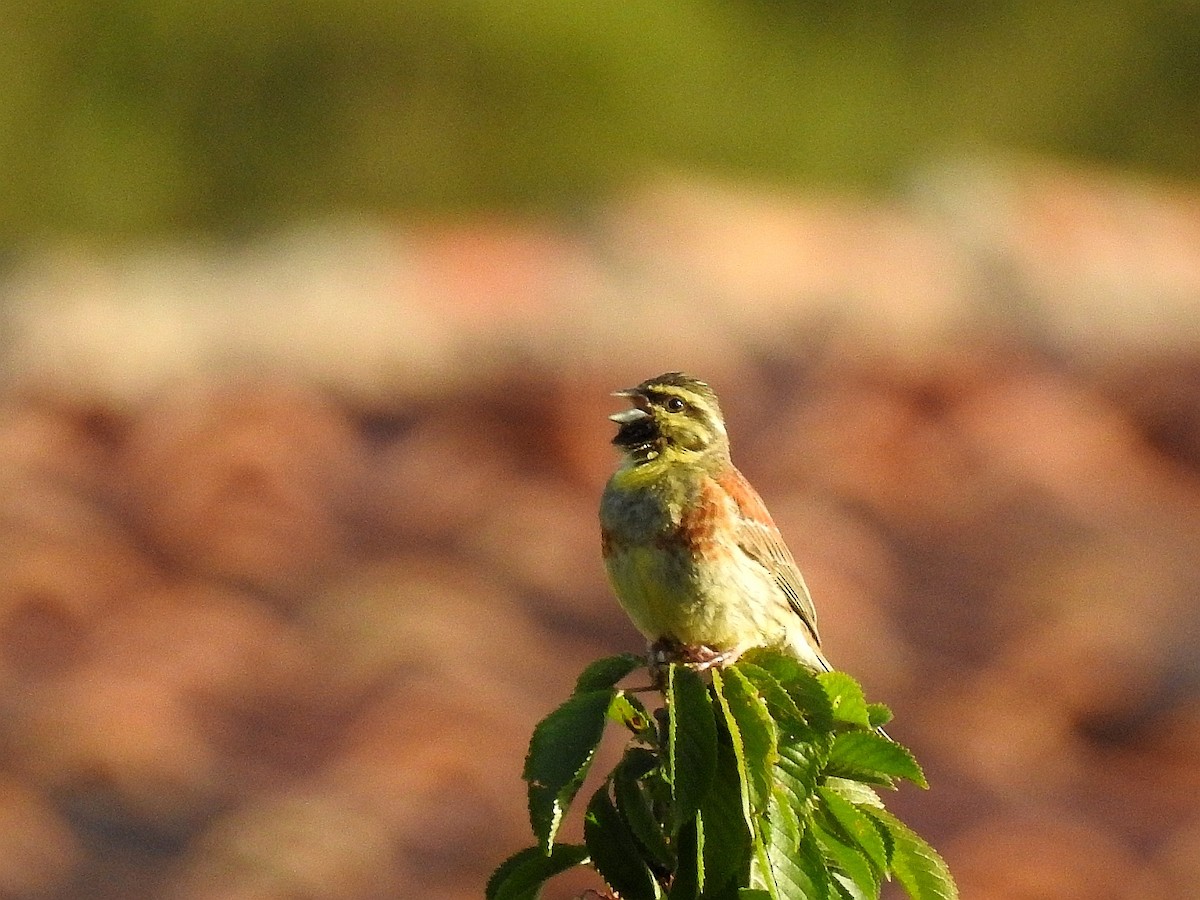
{"points": [[806, 648]]}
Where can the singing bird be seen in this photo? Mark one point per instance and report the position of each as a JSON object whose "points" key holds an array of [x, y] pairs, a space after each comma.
{"points": [[691, 551]]}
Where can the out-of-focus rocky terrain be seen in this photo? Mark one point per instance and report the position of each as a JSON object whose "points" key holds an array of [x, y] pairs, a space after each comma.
{"points": [[299, 538]]}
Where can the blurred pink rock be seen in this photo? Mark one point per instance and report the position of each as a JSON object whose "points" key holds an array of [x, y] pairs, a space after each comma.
{"points": [[124, 751], [64, 566], [435, 762], [39, 852], [318, 844], [291, 623], [1037, 858], [248, 483]]}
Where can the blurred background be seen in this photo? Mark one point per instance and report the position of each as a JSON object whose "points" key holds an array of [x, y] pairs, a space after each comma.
{"points": [[309, 314]]}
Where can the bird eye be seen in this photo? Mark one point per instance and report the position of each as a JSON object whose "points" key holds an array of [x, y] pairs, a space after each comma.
{"points": [[674, 404]]}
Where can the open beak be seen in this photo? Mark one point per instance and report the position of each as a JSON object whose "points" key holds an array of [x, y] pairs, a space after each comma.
{"points": [[637, 413]]}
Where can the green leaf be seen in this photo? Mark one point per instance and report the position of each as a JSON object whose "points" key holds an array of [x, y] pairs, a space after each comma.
{"points": [[560, 753], [868, 756], [522, 875], [605, 673], [638, 812], [754, 738], [802, 875], [844, 888], [613, 851], [916, 865], [727, 844], [782, 837], [627, 710], [848, 859], [856, 826], [878, 714], [799, 681], [691, 741], [753, 789], [885, 835], [797, 772], [689, 875], [639, 762], [846, 698], [854, 791], [754, 735], [788, 717], [785, 822]]}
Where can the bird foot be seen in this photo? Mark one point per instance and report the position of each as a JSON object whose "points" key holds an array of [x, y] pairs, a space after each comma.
{"points": [[697, 657]]}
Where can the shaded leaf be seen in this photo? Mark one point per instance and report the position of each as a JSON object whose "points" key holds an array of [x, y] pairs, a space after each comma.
{"points": [[754, 736], [753, 894], [858, 827], [639, 762], [560, 753], [636, 809], [917, 866], [800, 683], [808, 868], [846, 698], [522, 875], [868, 756], [848, 859], [691, 741], [605, 673], [727, 846], [788, 717], [689, 876], [613, 851]]}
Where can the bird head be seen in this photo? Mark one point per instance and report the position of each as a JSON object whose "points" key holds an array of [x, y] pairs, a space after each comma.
{"points": [[673, 416]]}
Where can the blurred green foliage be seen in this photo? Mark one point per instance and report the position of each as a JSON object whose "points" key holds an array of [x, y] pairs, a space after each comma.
{"points": [[132, 117]]}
